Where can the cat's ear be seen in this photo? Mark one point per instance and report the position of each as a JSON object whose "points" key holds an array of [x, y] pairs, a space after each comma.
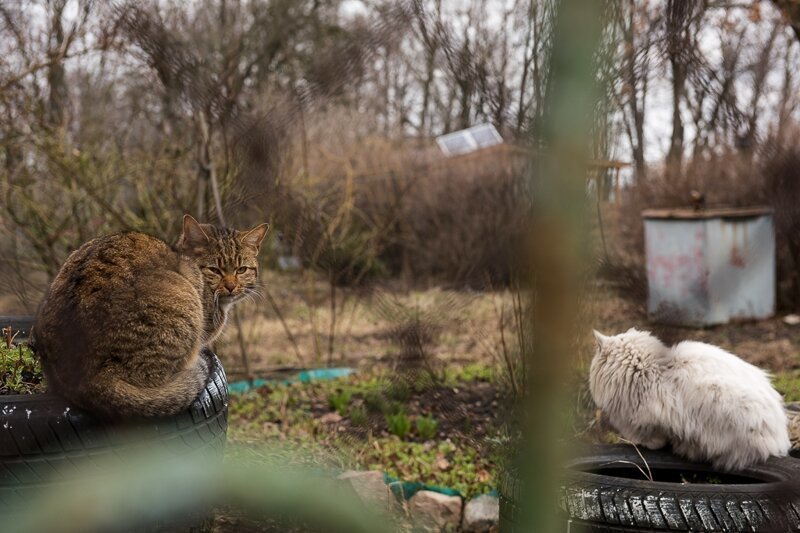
{"points": [[599, 337], [254, 236], [193, 234]]}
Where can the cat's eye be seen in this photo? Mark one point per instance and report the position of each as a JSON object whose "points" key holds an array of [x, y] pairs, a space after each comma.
{"points": [[214, 270], [241, 270]]}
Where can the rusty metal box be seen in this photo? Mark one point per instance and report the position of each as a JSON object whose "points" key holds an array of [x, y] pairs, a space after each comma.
{"points": [[709, 266]]}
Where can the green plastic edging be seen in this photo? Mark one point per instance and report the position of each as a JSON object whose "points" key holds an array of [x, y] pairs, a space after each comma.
{"points": [[321, 374], [305, 376], [407, 489]]}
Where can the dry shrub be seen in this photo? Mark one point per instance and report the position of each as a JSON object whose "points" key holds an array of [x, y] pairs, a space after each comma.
{"points": [[52, 200], [730, 179], [361, 205], [463, 219], [782, 186]]}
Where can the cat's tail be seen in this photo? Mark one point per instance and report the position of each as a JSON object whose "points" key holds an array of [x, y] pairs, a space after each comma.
{"points": [[111, 397]]}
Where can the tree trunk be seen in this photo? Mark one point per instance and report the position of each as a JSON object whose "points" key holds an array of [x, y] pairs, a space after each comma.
{"points": [[675, 153], [56, 79]]}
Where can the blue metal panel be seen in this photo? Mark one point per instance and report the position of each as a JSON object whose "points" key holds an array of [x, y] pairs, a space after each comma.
{"points": [[676, 271], [710, 270], [741, 255]]}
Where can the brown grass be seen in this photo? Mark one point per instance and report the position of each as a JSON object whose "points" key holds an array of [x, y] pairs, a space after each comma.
{"points": [[468, 333]]}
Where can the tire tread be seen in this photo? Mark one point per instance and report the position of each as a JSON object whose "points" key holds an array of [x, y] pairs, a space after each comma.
{"points": [[52, 442], [592, 502]]}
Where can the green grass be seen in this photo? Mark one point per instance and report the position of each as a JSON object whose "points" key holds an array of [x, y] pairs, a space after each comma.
{"points": [[788, 384], [470, 372], [340, 400], [399, 424], [426, 427], [445, 464], [376, 402], [358, 415]]}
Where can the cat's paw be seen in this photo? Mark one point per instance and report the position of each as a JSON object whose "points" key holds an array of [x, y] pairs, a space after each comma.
{"points": [[655, 443], [647, 439]]}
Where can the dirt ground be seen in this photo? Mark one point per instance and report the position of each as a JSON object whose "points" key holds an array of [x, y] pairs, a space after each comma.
{"points": [[466, 327], [469, 411]]}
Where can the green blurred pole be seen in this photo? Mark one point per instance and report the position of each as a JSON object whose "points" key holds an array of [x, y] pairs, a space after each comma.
{"points": [[558, 253]]}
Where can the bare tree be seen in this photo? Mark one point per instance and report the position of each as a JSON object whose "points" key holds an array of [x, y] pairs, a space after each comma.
{"points": [[635, 24]]}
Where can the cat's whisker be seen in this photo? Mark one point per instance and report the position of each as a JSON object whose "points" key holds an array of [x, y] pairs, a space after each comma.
{"points": [[260, 285], [253, 293]]}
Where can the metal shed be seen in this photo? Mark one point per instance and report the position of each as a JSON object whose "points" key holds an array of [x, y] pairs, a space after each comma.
{"points": [[709, 266]]}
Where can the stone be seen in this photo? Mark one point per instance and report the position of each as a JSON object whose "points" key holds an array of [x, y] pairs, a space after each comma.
{"points": [[370, 487], [791, 320], [482, 514], [435, 511]]}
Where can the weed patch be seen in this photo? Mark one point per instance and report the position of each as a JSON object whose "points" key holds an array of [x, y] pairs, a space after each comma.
{"points": [[380, 426], [339, 401], [20, 370], [398, 424]]}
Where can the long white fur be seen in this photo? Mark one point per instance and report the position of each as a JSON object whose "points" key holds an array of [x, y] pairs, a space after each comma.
{"points": [[709, 404]]}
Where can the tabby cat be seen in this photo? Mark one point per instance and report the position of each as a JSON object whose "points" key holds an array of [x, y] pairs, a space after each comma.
{"points": [[123, 329]]}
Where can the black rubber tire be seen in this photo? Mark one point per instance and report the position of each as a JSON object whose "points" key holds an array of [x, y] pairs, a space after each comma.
{"points": [[43, 440], [596, 502]]}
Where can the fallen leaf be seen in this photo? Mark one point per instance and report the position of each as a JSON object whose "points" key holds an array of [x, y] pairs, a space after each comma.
{"points": [[330, 418]]}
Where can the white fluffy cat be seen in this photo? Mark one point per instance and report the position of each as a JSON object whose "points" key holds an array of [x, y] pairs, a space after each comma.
{"points": [[709, 404]]}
